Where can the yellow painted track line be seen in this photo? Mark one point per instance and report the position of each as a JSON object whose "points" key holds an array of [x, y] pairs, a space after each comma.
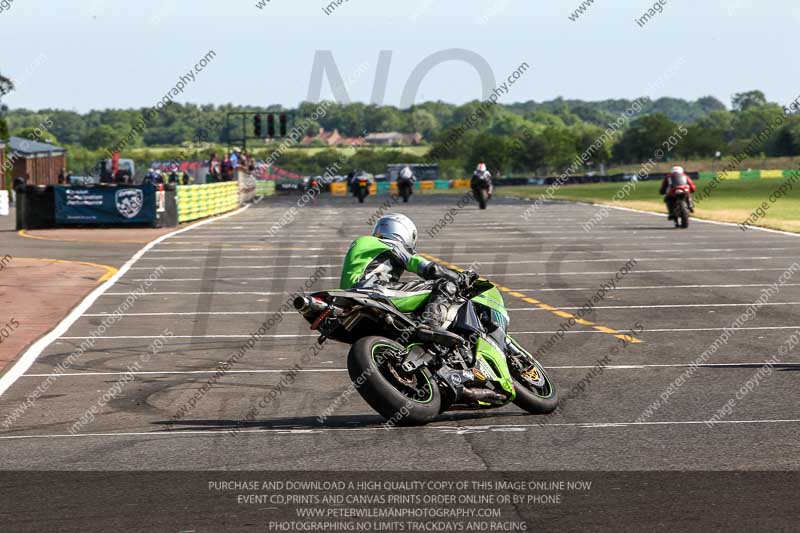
{"points": [[110, 271], [24, 233], [541, 305]]}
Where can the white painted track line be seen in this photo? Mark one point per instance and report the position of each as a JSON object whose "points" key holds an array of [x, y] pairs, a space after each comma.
{"points": [[289, 335], [662, 306], [263, 312], [328, 370], [27, 359], [523, 262], [660, 287], [703, 220], [517, 274]]}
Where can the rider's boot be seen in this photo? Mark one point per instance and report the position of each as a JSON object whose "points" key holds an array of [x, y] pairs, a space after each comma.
{"points": [[435, 313]]}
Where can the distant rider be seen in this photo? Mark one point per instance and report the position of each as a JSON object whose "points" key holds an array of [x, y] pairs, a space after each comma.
{"points": [[378, 261], [357, 174], [407, 174], [677, 177], [482, 175]]}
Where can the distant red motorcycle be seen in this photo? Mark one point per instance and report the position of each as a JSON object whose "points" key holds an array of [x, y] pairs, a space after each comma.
{"points": [[678, 187], [680, 205]]}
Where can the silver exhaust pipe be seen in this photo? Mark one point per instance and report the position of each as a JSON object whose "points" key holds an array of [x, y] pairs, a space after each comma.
{"points": [[306, 304]]}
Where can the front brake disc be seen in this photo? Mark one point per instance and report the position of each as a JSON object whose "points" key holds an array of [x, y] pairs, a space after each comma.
{"points": [[533, 375]]}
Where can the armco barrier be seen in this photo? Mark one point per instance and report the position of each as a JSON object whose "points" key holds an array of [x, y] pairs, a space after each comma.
{"points": [[772, 173], [200, 201], [339, 188]]}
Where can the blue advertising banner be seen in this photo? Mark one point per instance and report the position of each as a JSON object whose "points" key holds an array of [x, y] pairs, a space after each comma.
{"points": [[127, 204]]}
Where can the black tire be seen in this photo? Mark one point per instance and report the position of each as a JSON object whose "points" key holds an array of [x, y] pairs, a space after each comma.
{"points": [[482, 198], [533, 399], [361, 196], [683, 213], [401, 407]]}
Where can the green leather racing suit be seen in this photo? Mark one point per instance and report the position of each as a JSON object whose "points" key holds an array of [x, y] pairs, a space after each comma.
{"points": [[379, 263]]}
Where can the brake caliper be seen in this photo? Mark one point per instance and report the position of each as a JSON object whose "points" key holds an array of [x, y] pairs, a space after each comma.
{"points": [[532, 374]]}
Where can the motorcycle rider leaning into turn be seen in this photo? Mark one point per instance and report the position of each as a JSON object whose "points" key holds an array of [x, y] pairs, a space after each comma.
{"points": [[677, 177], [377, 262]]}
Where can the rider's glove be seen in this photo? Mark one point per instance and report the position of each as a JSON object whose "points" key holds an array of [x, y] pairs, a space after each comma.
{"points": [[466, 278]]}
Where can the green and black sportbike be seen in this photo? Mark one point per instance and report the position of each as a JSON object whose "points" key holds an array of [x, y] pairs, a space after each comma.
{"points": [[411, 376]]}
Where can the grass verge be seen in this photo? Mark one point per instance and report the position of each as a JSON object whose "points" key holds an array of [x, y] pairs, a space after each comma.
{"points": [[733, 200]]}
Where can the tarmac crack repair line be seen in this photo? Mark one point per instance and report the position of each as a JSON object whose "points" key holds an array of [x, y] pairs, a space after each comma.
{"points": [[315, 431]]}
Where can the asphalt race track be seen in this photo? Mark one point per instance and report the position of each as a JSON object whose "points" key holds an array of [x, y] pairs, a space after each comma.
{"points": [[223, 279]]}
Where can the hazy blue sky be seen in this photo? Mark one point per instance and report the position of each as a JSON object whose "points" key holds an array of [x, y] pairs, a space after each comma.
{"points": [[84, 54]]}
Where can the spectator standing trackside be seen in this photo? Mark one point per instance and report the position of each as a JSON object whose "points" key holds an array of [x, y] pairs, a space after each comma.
{"points": [[61, 178], [213, 169], [17, 184], [227, 169], [234, 158]]}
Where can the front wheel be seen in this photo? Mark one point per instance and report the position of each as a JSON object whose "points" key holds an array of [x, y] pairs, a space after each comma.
{"points": [[403, 399], [536, 392], [482, 197]]}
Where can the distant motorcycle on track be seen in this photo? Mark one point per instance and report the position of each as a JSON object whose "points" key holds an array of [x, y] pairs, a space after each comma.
{"points": [[677, 186], [360, 183], [405, 188], [680, 206], [405, 183], [482, 189]]}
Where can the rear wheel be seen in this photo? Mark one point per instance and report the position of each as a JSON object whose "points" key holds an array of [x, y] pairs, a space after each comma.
{"points": [[683, 213], [536, 392], [403, 399], [361, 195]]}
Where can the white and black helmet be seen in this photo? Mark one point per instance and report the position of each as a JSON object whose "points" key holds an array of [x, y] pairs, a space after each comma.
{"points": [[396, 227]]}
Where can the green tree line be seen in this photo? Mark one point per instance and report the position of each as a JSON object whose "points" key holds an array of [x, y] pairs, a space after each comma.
{"points": [[528, 137]]}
